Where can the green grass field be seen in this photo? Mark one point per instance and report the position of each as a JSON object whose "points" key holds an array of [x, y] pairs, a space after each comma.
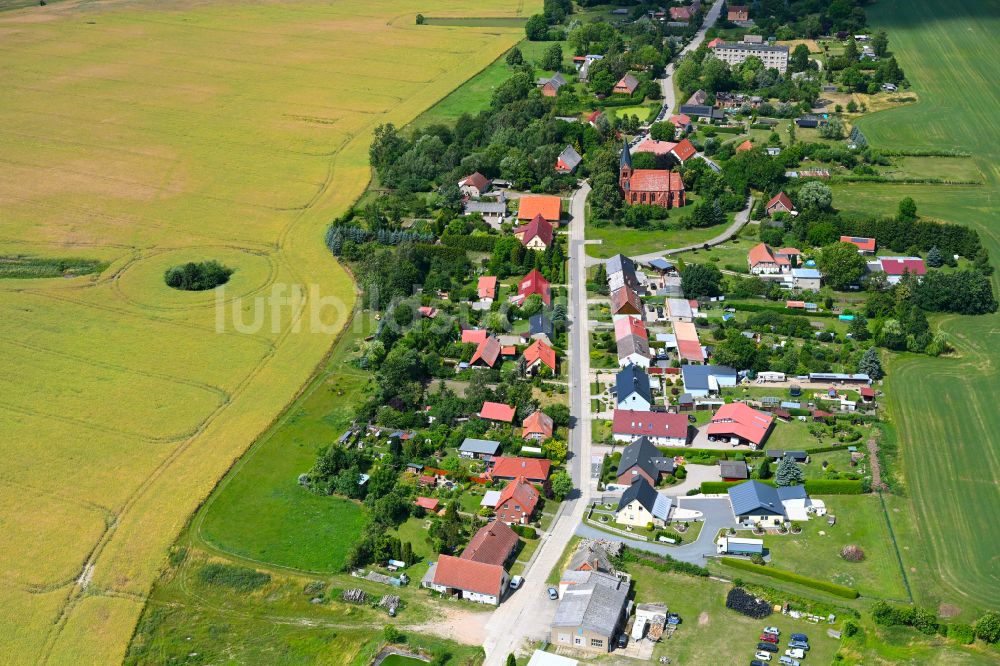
{"points": [[943, 408], [615, 239]]}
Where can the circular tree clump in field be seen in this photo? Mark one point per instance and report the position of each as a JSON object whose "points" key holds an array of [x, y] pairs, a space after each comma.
{"points": [[197, 277], [852, 553]]}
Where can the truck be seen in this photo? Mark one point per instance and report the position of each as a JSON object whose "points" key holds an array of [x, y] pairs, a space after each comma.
{"points": [[639, 629], [738, 546]]}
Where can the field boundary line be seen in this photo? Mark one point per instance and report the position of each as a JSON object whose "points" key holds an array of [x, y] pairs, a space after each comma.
{"points": [[895, 546]]}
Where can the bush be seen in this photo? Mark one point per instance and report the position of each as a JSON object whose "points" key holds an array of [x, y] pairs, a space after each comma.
{"points": [[526, 531], [834, 487], [921, 619], [241, 579], [961, 633], [197, 277], [743, 602], [851, 628], [988, 627], [852, 553], [788, 576], [664, 563], [393, 635]]}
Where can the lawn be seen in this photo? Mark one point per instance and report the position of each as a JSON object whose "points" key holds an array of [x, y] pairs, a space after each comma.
{"points": [[710, 633], [210, 131], [954, 500], [731, 253], [860, 521], [618, 239]]}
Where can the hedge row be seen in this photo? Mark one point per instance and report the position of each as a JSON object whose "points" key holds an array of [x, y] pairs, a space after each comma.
{"points": [[719, 487], [708, 453], [813, 486], [779, 308], [474, 243], [663, 563], [790, 577]]}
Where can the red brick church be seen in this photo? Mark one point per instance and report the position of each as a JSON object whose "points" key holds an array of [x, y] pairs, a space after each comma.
{"points": [[657, 187]]}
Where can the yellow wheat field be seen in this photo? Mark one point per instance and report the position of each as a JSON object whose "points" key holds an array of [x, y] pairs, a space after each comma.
{"points": [[148, 134]]}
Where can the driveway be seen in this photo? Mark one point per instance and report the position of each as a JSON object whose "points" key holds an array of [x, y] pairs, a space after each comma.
{"points": [[695, 475]]}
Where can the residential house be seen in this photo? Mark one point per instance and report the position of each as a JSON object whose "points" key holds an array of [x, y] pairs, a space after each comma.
{"points": [[588, 60], [640, 506], [702, 381], [763, 262], [778, 454], [517, 502], [428, 311], [745, 146], [779, 203], [702, 112], [641, 461], [591, 556], [475, 185], [474, 581], [806, 278], [681, 122], [590, 614], [656, 187], [684, 150], [621, 272], [497, 411], [680, 309], [633, 350], [626, 85], [683, 14], [756, 503], [540, 328], [733, 470], [792, 255], [493, 212], [864, 245], [548, 206], [697, 98], [487, 353], [662, 428], [536, 235], [479, 449], [494, 543], [632, 389], [535, 470], [538, 354], [679, 152], [625, 326], [534, 283], [740, 424], [474, 336], [689, 348], [896, 267], [487, 289], [550, 86], [568, 160], [625, 302], [593, 117], [428, 504], [539, 426], [735, 53], [738, 13]]}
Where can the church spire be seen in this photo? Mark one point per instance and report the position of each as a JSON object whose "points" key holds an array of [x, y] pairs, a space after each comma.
{"points": [[626, 161]]}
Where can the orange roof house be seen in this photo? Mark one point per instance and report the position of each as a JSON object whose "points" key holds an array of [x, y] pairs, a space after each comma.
{"points": [[497, 411], [864, 245], [474, 336], [538, 425], [626, 326], [779, 203], [512, 467], [715, 42], [740, 420], [684, 150], [487, 287], [453, 574], [487, 352], [428, 503], [517, 502], [626, 85], [539, 353], [738, 13], [746, 145], [534, 283], [548, 206]]}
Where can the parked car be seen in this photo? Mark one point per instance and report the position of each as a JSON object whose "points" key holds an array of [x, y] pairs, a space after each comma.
{"points": [[770, 638], [553, 593], [772, 630], [515, 582], [673, 618], [756, 662], [800, 637], [768, 647], [763, 656], [622, 641], [788, 661], [799, 644], [796, 653]]}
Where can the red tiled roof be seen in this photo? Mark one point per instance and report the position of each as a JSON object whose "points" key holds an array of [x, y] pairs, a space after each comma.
{"points": [[539, 227], [627, 83], [789, 251], [681, 13], [454, 572], [684, 150], [680, 119], [474, 335], [630, 326], [653, 146], [522, 492], [477, 180], [508, 350], [492, 544], [746, 145], [532, 469], [742, 420], [428, 503], [488, 286], [538, 423], [761, 254], [428, 312], [539, 351], [594, 115], [652, 424], [866, 244], [497, 411], [795, 304], [625, 301], [715, 42], [655, 180], [487, 352], [781, 198], [427, 479], [691, 350], [549, 207], [905, 265], [535, 283]]}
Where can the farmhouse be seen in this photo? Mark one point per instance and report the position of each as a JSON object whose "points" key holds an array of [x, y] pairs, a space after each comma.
{"points": [[539, 354], [633, 350], [590, 613], [763, 262], [538, 426], [650, 186], [703, 380], [641, 505], [475, 185], [468, 579], [568, 160], [865, 245], [550, 86], [548, 206], [517, 502], [497, 411], [534, 283], [535, 235], [662, 428], [535, 470], [632, 389], [482, 449], [626, 85], [779, 203], [740, 424], [643, 461], [493, 543]]}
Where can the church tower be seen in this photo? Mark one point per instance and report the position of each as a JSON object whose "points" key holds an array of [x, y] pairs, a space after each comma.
{"points": [[625, 168]]}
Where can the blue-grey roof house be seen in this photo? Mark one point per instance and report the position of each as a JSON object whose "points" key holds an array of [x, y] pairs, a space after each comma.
{"points": [[704, 380], [632, 387], [758, 503]]}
